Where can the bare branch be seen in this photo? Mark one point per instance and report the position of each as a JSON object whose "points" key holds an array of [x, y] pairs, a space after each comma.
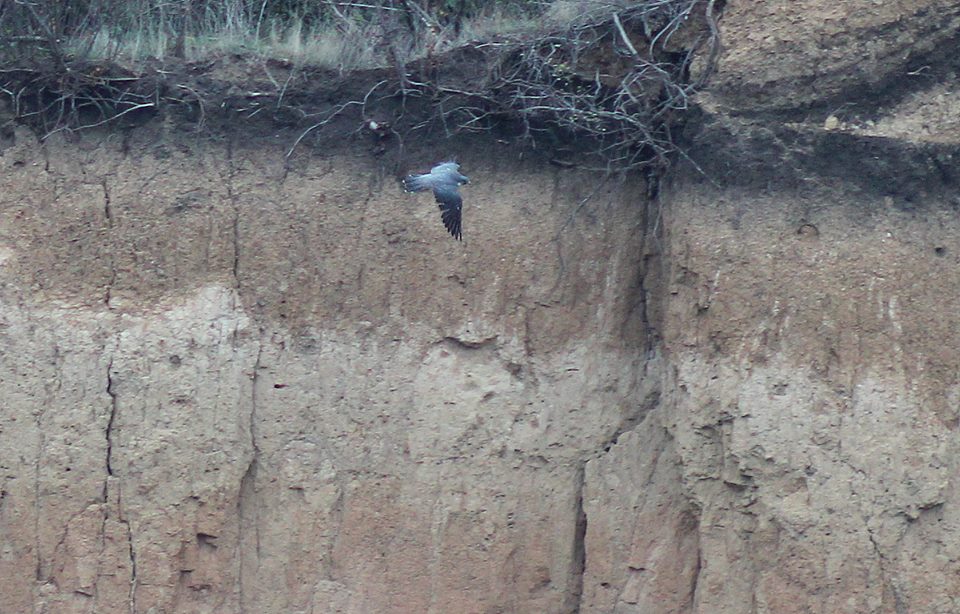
{"points": [[623, 35], [145, 105]]}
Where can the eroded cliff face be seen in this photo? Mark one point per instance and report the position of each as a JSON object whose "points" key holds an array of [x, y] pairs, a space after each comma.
{"points": [[804, 455], [235, 385], [232, 386]]}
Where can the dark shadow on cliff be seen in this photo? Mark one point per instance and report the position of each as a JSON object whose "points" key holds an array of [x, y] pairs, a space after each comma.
{"points": [[731, 152]]}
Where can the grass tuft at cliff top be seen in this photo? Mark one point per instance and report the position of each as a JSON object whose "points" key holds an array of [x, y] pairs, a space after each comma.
{"points": [[339, 34]]}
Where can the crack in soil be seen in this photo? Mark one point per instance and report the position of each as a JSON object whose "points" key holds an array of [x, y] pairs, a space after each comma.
{"points": [[110, 423], [108, 216], [247, 505], [579, 552]]}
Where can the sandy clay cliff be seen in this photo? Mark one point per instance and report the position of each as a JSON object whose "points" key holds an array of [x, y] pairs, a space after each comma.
{"points": [[231, 384]]}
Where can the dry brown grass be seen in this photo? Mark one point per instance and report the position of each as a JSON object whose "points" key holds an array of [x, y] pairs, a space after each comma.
{"points": [[340, 34]]}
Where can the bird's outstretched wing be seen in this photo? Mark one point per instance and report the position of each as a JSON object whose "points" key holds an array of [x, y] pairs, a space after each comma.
{"points": [[451, 205], [418, 183], [445, 167]]}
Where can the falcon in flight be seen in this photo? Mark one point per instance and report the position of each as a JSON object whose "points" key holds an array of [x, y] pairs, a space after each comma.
{"points": [[445, 181]]}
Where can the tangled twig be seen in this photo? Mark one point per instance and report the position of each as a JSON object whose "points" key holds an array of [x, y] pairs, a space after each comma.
{"points": [[614, 80]]}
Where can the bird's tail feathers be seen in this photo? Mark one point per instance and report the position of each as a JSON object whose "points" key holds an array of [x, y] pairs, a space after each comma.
{"points": [[415, 183]]}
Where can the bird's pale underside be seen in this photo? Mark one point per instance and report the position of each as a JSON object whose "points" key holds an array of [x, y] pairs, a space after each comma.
{"points": [[445, 181]]}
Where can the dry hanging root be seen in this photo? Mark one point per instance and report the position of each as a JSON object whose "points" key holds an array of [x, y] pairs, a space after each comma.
{"points": [[615, 82]]}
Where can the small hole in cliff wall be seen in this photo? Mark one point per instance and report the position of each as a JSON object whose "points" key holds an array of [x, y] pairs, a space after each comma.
{"points": [[808, 231], [940, 251]]}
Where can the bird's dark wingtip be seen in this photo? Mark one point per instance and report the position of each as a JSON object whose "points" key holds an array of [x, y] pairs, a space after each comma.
{"points": [[454, 229]]}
